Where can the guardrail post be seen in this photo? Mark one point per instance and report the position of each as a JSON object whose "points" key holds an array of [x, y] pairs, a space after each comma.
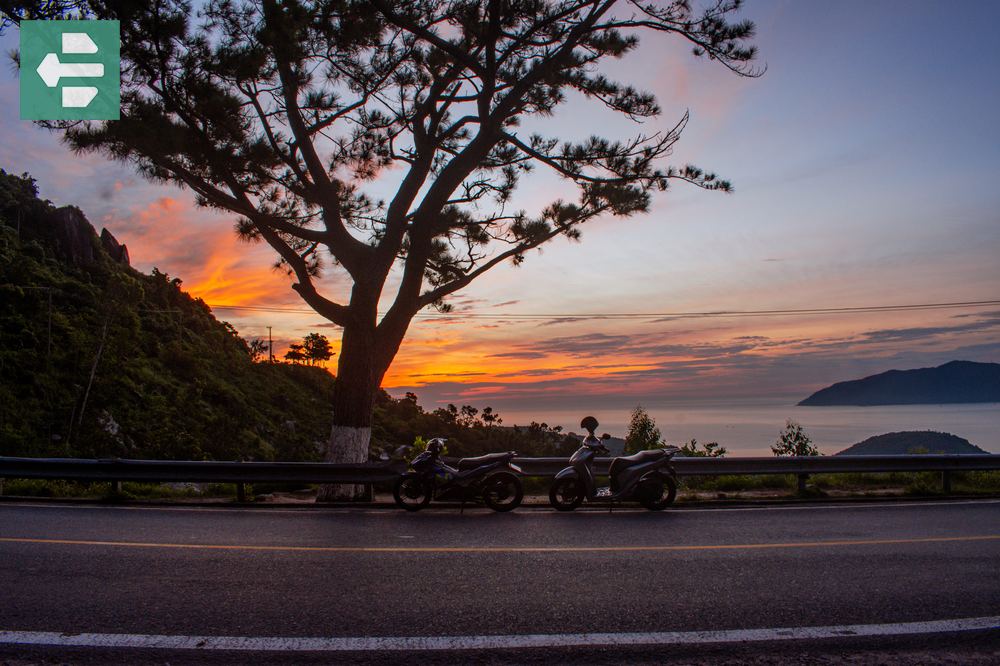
{"points": [[241, 492], [802, 483], [116, 487], [946, 482]]}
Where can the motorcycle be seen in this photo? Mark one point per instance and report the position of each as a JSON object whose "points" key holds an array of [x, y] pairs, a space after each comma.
{"points": [[493, 477], [646, 476]]}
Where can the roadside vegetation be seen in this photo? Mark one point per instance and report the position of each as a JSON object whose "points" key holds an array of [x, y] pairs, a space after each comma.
{"points": [[100, 360]]}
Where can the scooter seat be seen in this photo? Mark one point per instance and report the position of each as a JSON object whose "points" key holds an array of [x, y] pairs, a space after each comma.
{"points": [[624, 462], [470, 463], [642, 457]]}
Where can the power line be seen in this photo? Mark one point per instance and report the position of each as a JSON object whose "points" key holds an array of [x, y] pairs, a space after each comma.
{"points": [[910, 307]]}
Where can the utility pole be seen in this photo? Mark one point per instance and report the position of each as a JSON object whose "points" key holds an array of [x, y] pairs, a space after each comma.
{"points": [[270, 346]]}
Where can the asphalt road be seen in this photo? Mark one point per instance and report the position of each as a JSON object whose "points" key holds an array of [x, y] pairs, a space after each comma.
{"points": [[656, 579]]}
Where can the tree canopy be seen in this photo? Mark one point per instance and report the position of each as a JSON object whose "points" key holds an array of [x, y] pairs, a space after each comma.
{"points": [[314, 349], [288, 113], [642, 432], [282, 111], [793, 441]]}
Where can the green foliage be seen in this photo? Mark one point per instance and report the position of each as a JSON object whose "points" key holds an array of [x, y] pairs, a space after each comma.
{"points": [[642, 432], [741, 482], [257, 349], [693, 449], [419, 446], [468, 430], [314, 349], [169, 380], [317, 348], [793, 441], [282, 113]]}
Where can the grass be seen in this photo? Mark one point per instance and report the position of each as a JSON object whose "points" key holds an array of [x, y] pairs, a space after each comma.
{"points": [[104, 490], [740, 482], [906, 483]]}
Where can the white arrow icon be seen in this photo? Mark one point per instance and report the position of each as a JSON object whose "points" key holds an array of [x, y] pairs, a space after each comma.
{"points": [[78, 42], [51, 70], [78, 97]]}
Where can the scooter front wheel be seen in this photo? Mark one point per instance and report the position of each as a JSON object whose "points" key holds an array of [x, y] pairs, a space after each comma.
{"points": [[411, 492], [566, 494], [657, 494], [503, 492]]}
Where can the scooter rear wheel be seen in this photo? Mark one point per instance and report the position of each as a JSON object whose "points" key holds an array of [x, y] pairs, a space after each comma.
{"points": [[411, 492], [657, 495], [503, 491], [566, 494]]}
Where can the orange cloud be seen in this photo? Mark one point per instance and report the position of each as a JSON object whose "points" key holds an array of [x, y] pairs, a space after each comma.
{"points": [[200, 247]]}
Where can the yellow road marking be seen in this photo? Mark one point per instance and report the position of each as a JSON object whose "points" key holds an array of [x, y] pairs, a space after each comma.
{"points": [[503, 549]]}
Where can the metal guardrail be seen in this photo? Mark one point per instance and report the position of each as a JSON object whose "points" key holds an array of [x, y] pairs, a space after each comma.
{"points": [[207, 471], [794, 465], [251, 472]]}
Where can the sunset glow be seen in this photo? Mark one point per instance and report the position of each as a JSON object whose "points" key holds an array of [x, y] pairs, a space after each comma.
{"points": [[834, 207]]}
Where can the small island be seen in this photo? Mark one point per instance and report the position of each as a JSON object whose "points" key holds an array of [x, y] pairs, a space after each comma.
{"points": [[909, 442], [952, 383]]}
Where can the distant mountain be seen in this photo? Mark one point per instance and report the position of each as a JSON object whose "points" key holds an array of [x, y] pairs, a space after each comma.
{"points": [[911, 441], [954, 382]]}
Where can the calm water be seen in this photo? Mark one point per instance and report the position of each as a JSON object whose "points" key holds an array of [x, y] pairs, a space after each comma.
{"points": [[748, 429]]}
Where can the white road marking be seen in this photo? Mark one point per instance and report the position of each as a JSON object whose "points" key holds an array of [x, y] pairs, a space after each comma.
{"points": [[497, 549], [528, 510], [888, 504], [384, 643]]}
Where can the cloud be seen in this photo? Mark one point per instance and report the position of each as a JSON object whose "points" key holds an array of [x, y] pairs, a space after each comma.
{"points": [[107, 190], [520, 354], [449, 374], [620, 369], [200, 246], [599, 345], [566, 320], [920, 333]]}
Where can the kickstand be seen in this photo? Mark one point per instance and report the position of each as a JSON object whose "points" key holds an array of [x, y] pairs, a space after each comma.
{"points": [[611, 506], [461, 509]]}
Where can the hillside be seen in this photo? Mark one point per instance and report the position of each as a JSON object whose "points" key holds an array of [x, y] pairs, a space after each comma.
{"points": [[954, 382], [912, 441], [98, 359]]}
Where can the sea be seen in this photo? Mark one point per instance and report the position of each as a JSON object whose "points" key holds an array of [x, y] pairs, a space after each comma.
{"points": [[748, 428]]}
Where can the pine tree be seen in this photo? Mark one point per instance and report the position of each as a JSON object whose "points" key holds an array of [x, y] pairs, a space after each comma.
{"points": [[281, 113], [642, 432]]}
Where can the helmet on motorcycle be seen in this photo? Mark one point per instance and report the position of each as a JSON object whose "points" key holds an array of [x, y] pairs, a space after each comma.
{"points": [[436, 445], [589, 424]]}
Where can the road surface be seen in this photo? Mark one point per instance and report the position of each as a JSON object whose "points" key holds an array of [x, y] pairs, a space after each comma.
{"points": [[903, 581]]}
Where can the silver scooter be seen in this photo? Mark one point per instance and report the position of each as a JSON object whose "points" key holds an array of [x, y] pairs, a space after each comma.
{"points": [[646, 476]]}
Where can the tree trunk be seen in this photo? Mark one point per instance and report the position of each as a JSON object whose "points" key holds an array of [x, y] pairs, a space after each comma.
{"points": [[358, 381]]}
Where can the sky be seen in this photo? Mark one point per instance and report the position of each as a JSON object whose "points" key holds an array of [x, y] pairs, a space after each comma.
{"points": [[865, 164]]}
